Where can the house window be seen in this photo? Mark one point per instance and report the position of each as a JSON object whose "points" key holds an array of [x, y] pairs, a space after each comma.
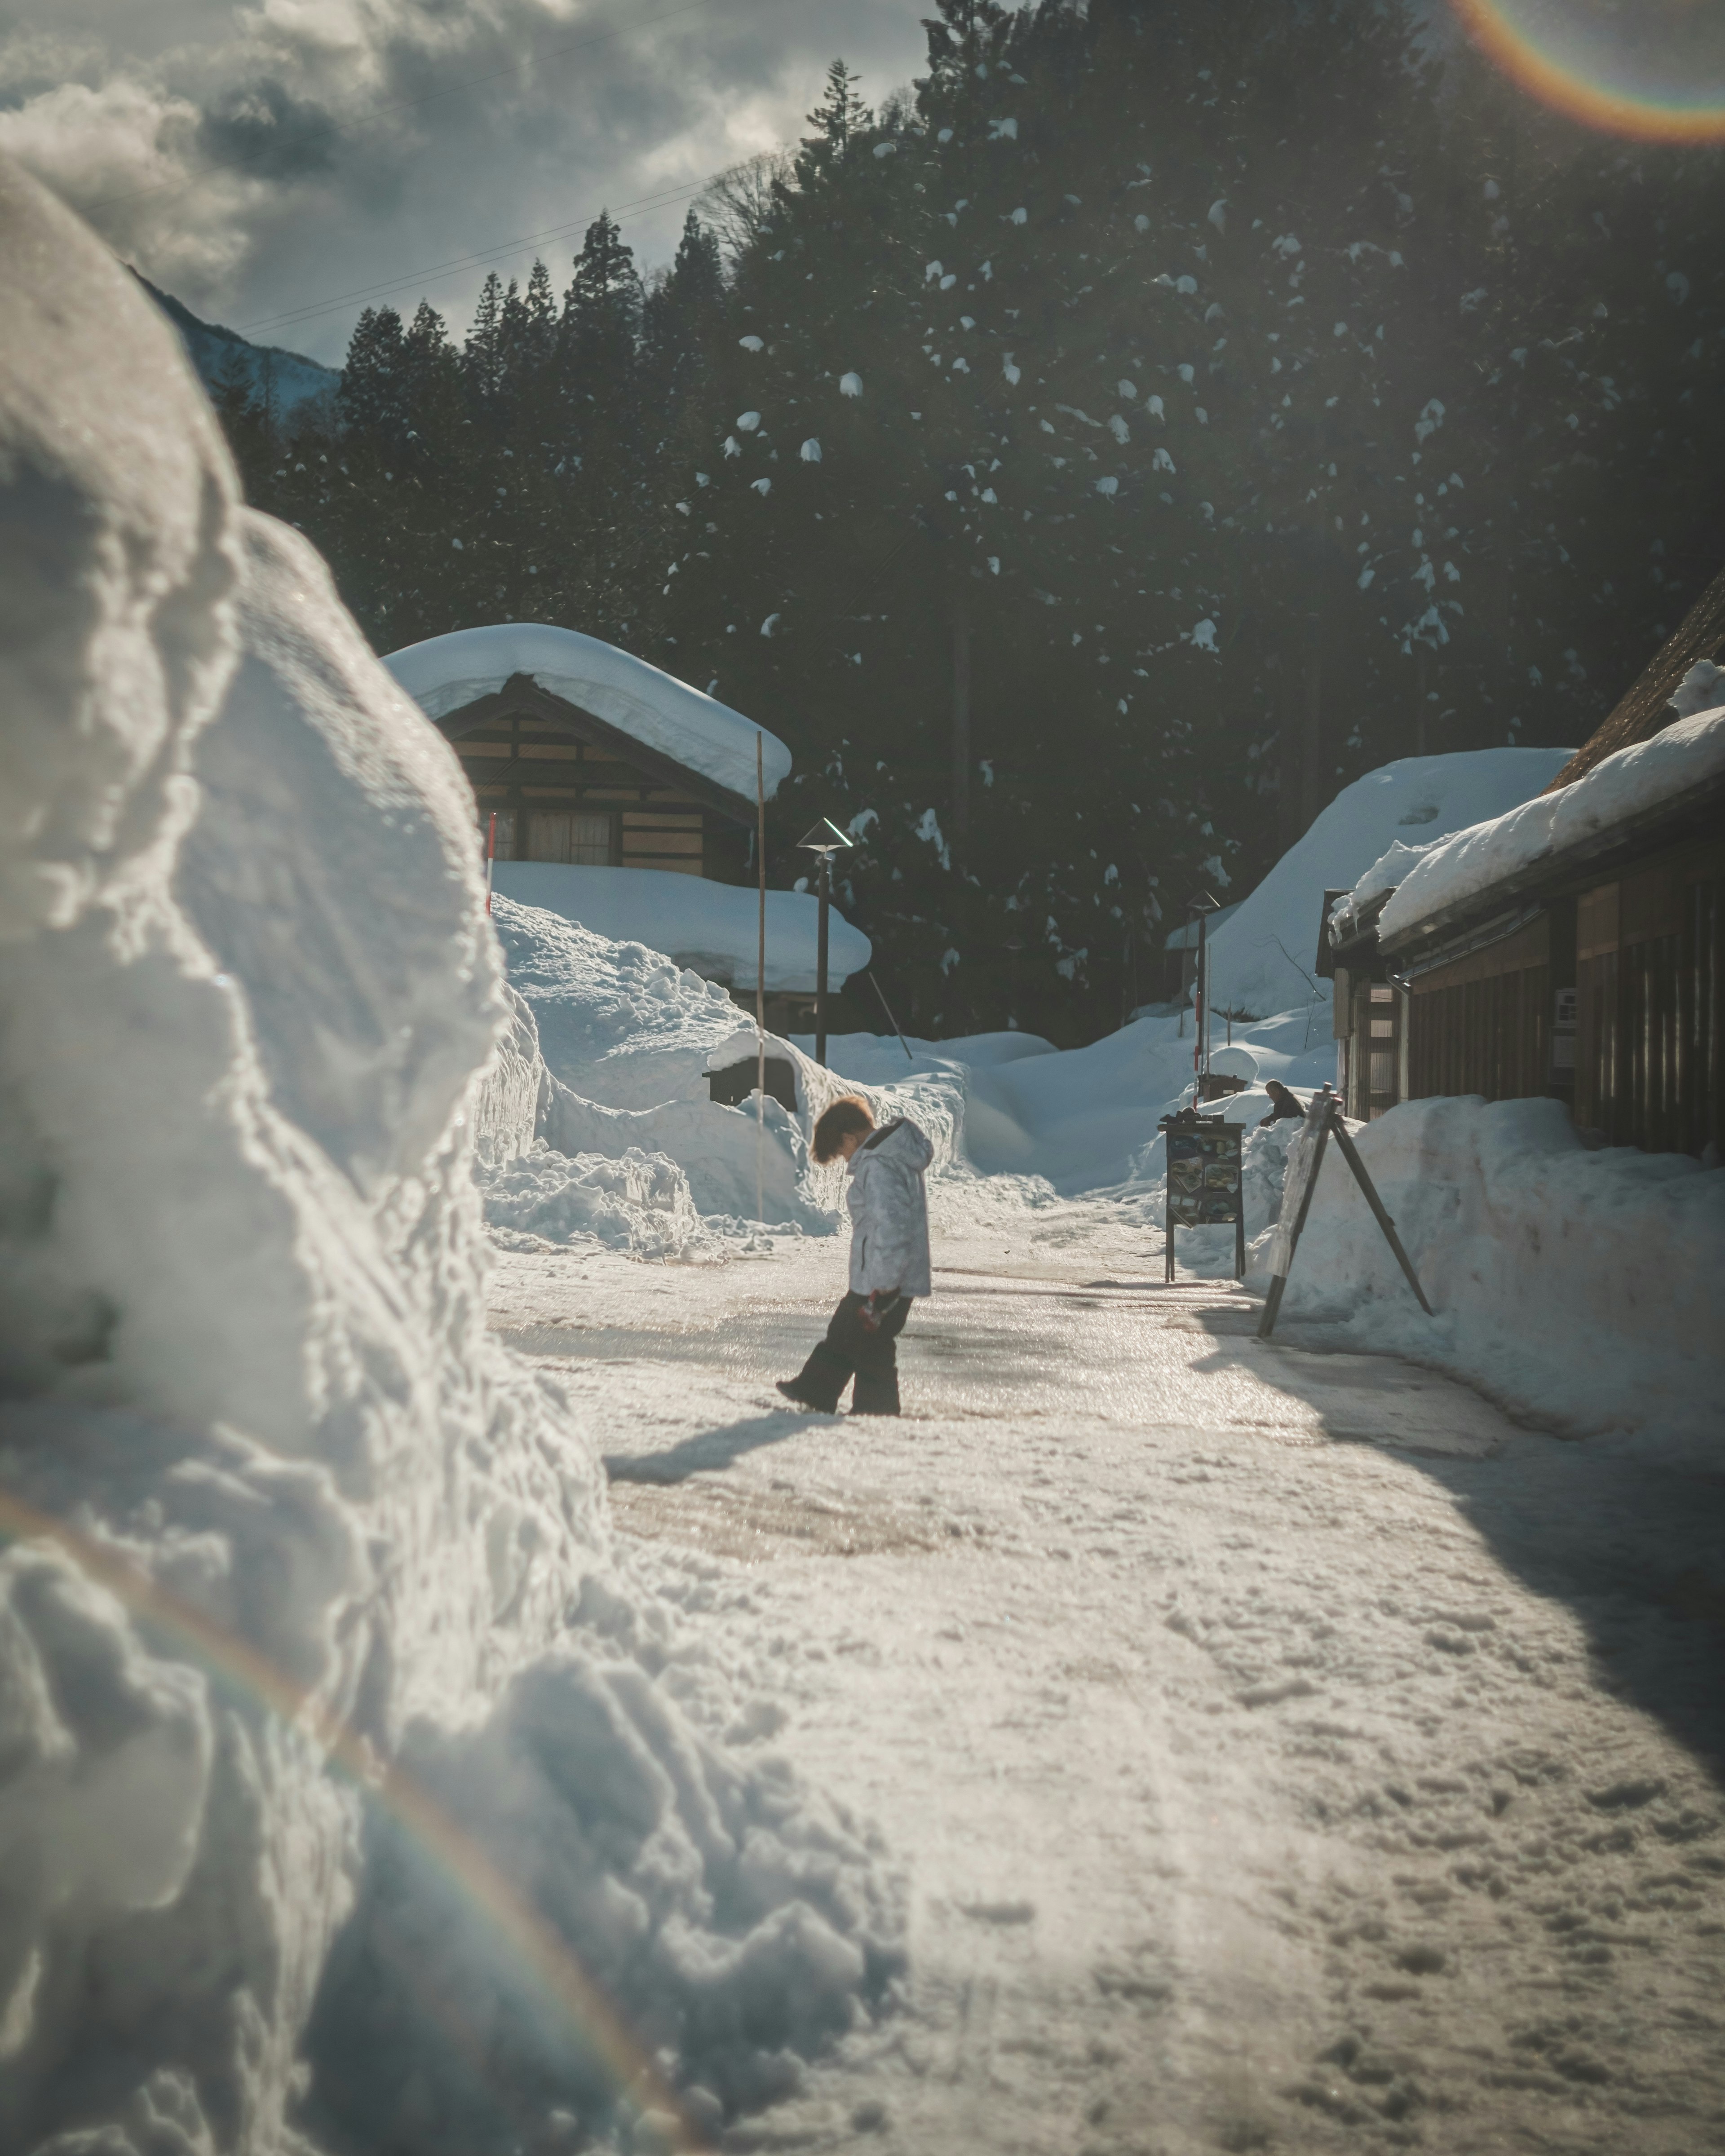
{"points": [[580, 837]]}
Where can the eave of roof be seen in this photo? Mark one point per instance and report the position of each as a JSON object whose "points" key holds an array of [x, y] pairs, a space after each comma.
{"points": [[1617, 844]]}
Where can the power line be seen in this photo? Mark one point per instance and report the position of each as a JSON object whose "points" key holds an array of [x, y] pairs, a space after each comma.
{"points": [[399, 104]]}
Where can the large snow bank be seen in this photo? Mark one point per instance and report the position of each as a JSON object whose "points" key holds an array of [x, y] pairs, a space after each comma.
{"points": [[277, 1501], [1578, 1287], [652, 707], [607, 1062], [1685, 755], [1262, 958], [713, 928]]}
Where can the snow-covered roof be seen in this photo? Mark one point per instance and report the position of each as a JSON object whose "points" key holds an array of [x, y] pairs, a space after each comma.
{"points": [[710, 928], [1261, 958], [1647, 776], [653, 708]]}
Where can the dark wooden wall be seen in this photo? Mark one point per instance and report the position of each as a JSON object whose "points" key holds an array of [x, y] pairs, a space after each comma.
{"points": [[1482, 1026], [1644, 953], [528, 767], [1650, 1043]]}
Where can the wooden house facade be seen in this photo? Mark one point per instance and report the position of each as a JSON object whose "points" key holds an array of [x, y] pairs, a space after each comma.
{"points": [[1595, 974], [566, 785]]}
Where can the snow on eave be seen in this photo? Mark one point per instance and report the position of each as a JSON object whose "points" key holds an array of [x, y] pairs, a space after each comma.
{"points": [[653, 708], [1674, 772]]}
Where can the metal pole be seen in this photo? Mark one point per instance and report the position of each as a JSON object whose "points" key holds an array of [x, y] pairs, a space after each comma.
{"points": [[891, 1019], [1350, 1153], [820, 963], [1200, 1042], [1324, 1108], [760, 974]]}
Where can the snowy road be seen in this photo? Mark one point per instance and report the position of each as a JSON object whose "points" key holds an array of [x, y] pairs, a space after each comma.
{"points": [[1282, 1751]]}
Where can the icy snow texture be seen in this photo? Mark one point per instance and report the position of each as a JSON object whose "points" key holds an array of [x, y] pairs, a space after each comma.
{"points": [[641, 1203], [710, 928], [1261, 960], [1684, 755], [654, 708], [250, 990], [1580, 1288]]}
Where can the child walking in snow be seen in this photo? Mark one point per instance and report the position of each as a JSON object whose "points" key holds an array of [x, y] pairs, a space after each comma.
{"points": [[889, 1260]]}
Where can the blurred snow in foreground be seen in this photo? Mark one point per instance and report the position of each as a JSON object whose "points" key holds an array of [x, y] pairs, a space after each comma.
{"points": [[329, 1702]]}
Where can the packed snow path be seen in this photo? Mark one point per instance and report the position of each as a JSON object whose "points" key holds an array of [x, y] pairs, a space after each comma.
{"points": [[1283, 1750]]}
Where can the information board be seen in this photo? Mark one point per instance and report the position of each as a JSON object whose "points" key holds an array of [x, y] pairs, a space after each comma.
{"points": [[1205, 1185]]}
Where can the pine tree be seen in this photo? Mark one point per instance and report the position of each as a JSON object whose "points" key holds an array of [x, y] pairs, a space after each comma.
{"points": [[1247, 397], [482, 356], [838, 121]]}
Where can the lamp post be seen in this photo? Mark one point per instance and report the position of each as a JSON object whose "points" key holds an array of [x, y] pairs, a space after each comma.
{"points": [[1202, 905], [825, 839]]}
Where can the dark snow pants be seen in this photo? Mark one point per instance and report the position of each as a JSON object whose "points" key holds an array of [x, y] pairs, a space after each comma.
{"points": [[849, 1347]]}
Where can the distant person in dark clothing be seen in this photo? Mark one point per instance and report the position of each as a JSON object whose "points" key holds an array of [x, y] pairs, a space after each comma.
{"points": [[889, 1260], [1282, 1103]]}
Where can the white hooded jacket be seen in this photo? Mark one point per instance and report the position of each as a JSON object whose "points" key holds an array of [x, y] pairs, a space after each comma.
{"points": [[889, 1211]]}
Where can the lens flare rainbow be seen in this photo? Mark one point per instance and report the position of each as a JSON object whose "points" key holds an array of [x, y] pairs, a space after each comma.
{"points": [[1651, 70], [543, 1959]]}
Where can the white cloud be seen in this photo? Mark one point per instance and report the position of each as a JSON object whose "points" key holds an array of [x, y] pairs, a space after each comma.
{"points": [[262, 161]]}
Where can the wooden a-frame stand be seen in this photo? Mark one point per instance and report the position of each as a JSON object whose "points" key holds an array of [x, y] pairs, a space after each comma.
{"points": [[1326, 1111]]}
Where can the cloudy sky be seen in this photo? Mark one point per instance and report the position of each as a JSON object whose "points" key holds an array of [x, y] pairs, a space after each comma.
{"points": [[277, 165]]}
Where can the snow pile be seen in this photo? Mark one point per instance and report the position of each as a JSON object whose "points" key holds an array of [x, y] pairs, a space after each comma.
{"points": [[616, 1021], [1578, 1287], [1688, 754], [1698, 690], [654, 708], [278, 1503], [712, 928], [640, 1203], [1262, 958], [616, 1043]]}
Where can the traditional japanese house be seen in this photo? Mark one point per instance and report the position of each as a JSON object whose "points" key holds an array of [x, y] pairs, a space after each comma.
{"points": [[1572, 947], [589, 755], [602, 770]]}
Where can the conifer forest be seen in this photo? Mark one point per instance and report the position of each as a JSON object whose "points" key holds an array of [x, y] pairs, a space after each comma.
{"points": [[1087, 459]]}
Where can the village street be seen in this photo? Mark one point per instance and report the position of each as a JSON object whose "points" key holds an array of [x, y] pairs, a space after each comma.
{"points": [[1279, 1750]]}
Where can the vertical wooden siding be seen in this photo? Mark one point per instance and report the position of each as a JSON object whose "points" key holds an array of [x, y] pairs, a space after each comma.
{"points": [[1489, 1036], [1650, 1059], [1483, 1024]]}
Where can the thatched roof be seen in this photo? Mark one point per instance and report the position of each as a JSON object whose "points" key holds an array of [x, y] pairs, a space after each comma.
{"points": [[1646, 708]]}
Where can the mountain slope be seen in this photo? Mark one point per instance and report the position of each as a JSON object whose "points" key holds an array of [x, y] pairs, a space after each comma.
{"points": [[284, 379]]}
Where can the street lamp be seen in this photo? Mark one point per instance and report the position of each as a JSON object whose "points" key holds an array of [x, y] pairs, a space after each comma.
{"points": [[1202, 905], [825, 839]]}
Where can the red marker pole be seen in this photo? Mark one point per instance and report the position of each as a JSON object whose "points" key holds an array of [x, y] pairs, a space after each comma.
{"points": [[491, 854]]}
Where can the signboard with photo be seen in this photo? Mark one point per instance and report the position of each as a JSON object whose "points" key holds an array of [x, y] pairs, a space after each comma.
{"points": [[1204, 1186]]}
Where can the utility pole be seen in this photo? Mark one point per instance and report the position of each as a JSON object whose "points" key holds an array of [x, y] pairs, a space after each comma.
{"points": [[1202, 905]]}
